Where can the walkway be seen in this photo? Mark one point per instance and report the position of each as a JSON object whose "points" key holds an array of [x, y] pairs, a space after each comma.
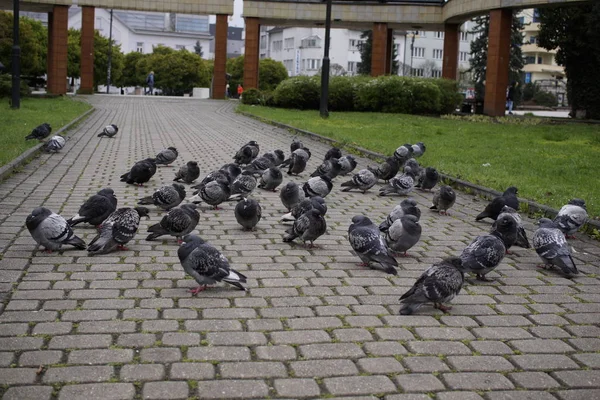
{"points": [[313, 325]]}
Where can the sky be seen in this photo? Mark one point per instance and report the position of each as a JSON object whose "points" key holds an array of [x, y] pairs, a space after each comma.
{"points": [[236, 19]]}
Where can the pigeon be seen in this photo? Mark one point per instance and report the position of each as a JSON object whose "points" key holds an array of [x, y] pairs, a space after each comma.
{"points": [[428, 179], [109, 131], [330, 168], [214, 193], [232, 170], [296, 144], [485, 252], [406, 207], [306, 205], [141, 172], [550, 244], [277, 157], [247, 213], [404, 233], [290, 195], [40, 132], [219, 176], [117, 230], [188, 172], [270, 179], [348, 164], [308, 227], [414, 165], [206, 264], [51, 230], [178, 222], [403, 153], [521, 239], [400, 184], [494, 208], [363, 180], [318, 186], [443, 199], [369, 246], [166, 197], [333, 152], [439, 284], [55, 144], [96, 209], [242, 186], [247, 153], [386, 170], [167, 156], [418, 149], [571, 217], [259, 165], [297, 161]]}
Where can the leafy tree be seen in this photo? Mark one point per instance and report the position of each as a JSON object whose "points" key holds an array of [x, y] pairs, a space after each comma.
{"points": [[366, 49], [235, 68], [175, 72], [134, 71], [33, 40], [573, 30], [74, 54], [101, 45], [270, 74], [198, 48]]}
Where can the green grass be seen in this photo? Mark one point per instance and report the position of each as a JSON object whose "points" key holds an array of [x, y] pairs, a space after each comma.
{"points": [[548, 163], [16, 124]]}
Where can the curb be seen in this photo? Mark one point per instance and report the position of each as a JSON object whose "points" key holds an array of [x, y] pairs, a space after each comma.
{"points": [[8, 169], [532, 206]]}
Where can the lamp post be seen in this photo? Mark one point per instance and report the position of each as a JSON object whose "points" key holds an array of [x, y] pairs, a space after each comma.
{"points": [[412, 51], [109, 53], [325, 68], [16, 59]]}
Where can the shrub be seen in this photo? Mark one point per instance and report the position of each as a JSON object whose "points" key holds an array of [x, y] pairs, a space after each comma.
{"points": [[450, 98], [529, 90], [368, 95], [542, 98], [341, 94], [252, 96], [426, 97], [6, 86], [300, 92], [268, 99]]}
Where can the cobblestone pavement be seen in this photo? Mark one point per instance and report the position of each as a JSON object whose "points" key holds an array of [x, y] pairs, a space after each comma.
{"points": [[313, 325]]}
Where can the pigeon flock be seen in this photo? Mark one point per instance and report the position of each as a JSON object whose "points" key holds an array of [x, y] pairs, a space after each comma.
{"points": [[376, 245]]}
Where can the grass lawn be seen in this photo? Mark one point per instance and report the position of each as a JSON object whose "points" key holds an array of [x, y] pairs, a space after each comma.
{"points": [[16, 124], [548, 163]]}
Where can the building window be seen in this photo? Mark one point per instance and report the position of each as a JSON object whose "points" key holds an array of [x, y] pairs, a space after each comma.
{"points": [[263, 55], [354, 44], [463, 56], [536, 15], [289, 64], [436, 73], [99, 23], [418, 72], [464, 36], [439, 35], [533, 40], [352, 67], [289, 43], [522, 20], [419, 52], [139, 47], [528, 77], [277, 45], [540, 60], [179, 47], [530, 60], [311, 64], [263, 42], [311, 42], [438, 54]]}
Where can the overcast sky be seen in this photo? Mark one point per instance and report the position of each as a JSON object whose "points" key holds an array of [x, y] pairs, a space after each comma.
{"points": [[236, 19]]}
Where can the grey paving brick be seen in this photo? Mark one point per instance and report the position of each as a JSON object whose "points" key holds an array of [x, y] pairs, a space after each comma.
{"points": [[213, 325], [418, 383], [95, 315], [41, 357], [78, 374], [13, 329], [248, 389], [106, 391], [444, 333], [491, 347], [541, 346], [314, 323], [579, 394], [358, 385], [437, 347], [180, 339], [501, 333], [136, 339], [425, 364], [543, 362], [236, 338], [331, 350], [517, 395], [165, 355], [28, 393], [275, 353], [219, 353], [142, 372], [578, 379], [296, 387], [533, 380], [480, 363], [100, 357], [476, 381], [384, 348], [252, 370], [80, 341], [196, 371], [381, 365], [301, 337], [20, 343], [591, 360], [323, 368], [165, 390], [17, 376], [458, 396]]}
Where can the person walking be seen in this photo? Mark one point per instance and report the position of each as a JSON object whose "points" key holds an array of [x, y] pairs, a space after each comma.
{"points": [[227, 90], [510, 97], [150, 83], [240, 90]]}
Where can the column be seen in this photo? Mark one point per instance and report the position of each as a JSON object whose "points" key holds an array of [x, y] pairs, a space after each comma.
{"points": [[87, 50], [219, 80], [57, 68], [49, 53], [497, 62], [251, 53], [389, 51], [379, 49], [451, 50]]}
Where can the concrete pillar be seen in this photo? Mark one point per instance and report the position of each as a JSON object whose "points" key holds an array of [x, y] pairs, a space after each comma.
{"points": [[251, 53], [379, 49], [87, 50], [389, 51], [57, 54], [219, 80], [451, 49], [498, 60], [49, 53]]}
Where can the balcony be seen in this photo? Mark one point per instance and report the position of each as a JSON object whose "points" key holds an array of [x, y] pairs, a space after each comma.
{"points": [[534, 48]]}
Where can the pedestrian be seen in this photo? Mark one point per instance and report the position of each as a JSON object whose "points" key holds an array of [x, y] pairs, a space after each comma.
{"points": [[227, 90], [150, 83], [240, 90], [510, 97]]}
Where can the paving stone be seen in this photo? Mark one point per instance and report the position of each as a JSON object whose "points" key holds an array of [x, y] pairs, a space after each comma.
{"points": [[164, 355], [180, 339], [491, 347], [578, 379], [533, 380], [323, 368], [409, 396], [579, 394], [80, 342], [520, 395], [165, 390], [78, 374], [541, 346], [480, 363], [301, 337], [358, 385], [21, 343], [331, 350], [104, 356], [28, 393], [444, 333], [476, 381], [419, 383], [314, 323], [591, 360], [105, 391], [384, 348], [236, 338], [437, 347], [246, 389], [383, 365], [458, 396], [252, 370], [586, 344], [425, 364], [501, 333], [219, 353], [17, 376], [195, 371], [13, 329], [136, 339], [543, 362], [276, 353], [41, 357], [143, 372], [297, 387]]}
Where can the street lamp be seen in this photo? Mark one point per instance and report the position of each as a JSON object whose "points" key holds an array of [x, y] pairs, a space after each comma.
{"points": [[16, 59], [325, 68], [108, 70]]}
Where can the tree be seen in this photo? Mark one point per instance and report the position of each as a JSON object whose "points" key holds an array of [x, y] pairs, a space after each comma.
{"points": [[235, 68], [73, 54], [573, 30], [198, 48], [101, 45], [270, 74], [366, 49], [336, 70], [33, 42], [134, 71]]}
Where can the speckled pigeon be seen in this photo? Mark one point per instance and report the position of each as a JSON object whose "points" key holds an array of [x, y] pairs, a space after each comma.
{"points": [[363, 181], [571, 217], [494, 208], [550, 244], [406, 207], [369, 246], [188, 172], [404, 233], [318, 186], [386, 170], [403, 153], [51, 230], [248, 213], [166, 197], [242, 186], [443, 199], [306, 205], [167, 156], [54, 144], [330, 168], [400, 184], [117, 230], [178, 222], [213, 193], [308, 227], [109, 131], [141, 172], [96, 209], [348, 164]]}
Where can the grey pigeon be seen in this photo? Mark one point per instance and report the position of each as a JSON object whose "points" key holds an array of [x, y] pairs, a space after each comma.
{"points": [[178, 222], [214, 193], [167, 156], [317, 203], [414, 166], [96, 209], [348, 164], [109, 131], [428, 179], [418, 149], [270, 179], [296, 144], [141, 172], [51, 230], [400, 184], [369, 246], [485, 252], [318, 186], [166, 197], [571, 217], [117, 230], [188, 172], [247, 153], [386, 170], [404, 233], [550, 244], [297, 161], [278, 157], [330, 168], [439, 284], [40, 132], [403, 153], [54, 145], [290, 195], [219, 176], [443, 199], [206, 264], [521, 238], [363, 180], [248, 213], [406, 207], [308, 227], [494, 208], [333, 152], [232, 170], [259, 165], [242, 186]]}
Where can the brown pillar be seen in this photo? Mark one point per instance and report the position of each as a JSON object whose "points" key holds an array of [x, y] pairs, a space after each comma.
{"points": [[251, 53], [219, 80], [389, 51], [379, 49], [87, 50], [451, 49], [496, 76], [49, 53], [57, 68]]}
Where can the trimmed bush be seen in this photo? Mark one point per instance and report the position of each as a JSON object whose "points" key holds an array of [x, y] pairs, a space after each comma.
{"points": [[6, 86], [300, 92], [426, 97], [252, 96], [542, 98], [450, 98], [341, 93]]}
